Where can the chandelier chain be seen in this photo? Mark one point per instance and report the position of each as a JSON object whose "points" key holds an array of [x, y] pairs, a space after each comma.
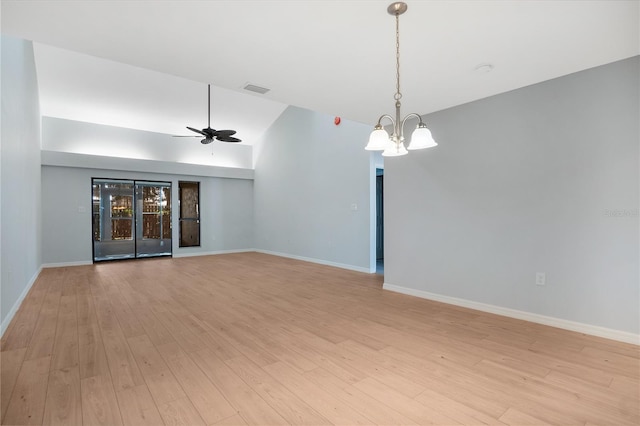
{"points": [[398, 95]]}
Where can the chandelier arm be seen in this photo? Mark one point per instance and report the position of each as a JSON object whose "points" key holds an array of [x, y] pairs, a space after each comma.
{"points": [[396, 136], [411, 114], [393, 122]]}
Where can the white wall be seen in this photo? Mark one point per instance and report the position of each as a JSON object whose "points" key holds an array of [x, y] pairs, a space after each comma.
{"points": [[526, 182], [226, 207], [309, 174], [20, 233], [96, 139]]}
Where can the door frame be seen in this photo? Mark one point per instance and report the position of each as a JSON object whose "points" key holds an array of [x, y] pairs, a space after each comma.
{"points": [[133, 218]]}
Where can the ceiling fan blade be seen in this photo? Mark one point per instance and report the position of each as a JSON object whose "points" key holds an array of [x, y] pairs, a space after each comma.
{"points": [[225, 133], [197, 131], [228, 139], [206, 141]]}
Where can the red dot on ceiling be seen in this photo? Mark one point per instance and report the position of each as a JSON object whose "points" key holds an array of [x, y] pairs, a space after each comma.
{"points": [[336, 120]]}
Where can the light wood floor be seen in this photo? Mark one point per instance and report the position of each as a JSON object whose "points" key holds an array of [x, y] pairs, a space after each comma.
{"points": [[255, 339]]}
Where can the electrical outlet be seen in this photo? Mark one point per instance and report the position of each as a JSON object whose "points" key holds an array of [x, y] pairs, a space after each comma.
{"points": [[541, 278]]}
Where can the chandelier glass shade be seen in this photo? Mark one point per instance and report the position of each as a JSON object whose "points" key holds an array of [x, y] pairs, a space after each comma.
{"points": [[393, 145]]}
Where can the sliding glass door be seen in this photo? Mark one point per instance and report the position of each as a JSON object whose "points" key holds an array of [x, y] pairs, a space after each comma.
{"points": [[113, 224], [131, 219], [153, 216]]}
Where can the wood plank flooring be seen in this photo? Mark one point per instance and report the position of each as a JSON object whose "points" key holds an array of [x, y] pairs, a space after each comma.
{"points": [[256, 339]]}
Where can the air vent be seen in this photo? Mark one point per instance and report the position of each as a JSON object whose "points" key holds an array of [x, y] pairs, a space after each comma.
{"points": [[257, 89]]}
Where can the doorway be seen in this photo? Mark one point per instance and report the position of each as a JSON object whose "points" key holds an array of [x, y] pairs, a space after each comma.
{"points": [[131, 219], [379, 221]]}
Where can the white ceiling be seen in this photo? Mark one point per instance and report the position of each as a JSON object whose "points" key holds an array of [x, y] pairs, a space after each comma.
{"points": [[85, 88], [335, 57]]}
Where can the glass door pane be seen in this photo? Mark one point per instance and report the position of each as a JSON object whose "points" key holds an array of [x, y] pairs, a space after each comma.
{"points": [[113, 225], [153, 218]]}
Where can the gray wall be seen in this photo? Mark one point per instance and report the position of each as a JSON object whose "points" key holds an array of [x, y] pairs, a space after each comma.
{"points": [[226, 211], [540, 179], [309, 174], [20, 175]]}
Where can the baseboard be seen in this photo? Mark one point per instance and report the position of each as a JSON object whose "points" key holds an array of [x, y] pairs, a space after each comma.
{"points": [[593, 330], [16, 306], [211, 253], [312, 260], [65, 264]]}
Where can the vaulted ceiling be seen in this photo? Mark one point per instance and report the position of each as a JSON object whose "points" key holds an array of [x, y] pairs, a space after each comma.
{"points": [[145, 64]]}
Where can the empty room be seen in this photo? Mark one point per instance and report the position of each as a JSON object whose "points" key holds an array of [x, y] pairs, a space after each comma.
{"points": [[211, 213]]}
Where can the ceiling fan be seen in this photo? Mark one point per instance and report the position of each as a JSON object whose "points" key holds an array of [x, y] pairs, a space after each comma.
{"points": [[212, 134]]}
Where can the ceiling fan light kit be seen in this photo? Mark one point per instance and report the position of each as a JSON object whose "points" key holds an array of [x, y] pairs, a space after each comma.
{"points": [[379, 140], [212, 134]]}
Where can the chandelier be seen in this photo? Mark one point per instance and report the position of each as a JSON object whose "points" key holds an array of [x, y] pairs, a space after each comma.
{"points": [[393, 146]]}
